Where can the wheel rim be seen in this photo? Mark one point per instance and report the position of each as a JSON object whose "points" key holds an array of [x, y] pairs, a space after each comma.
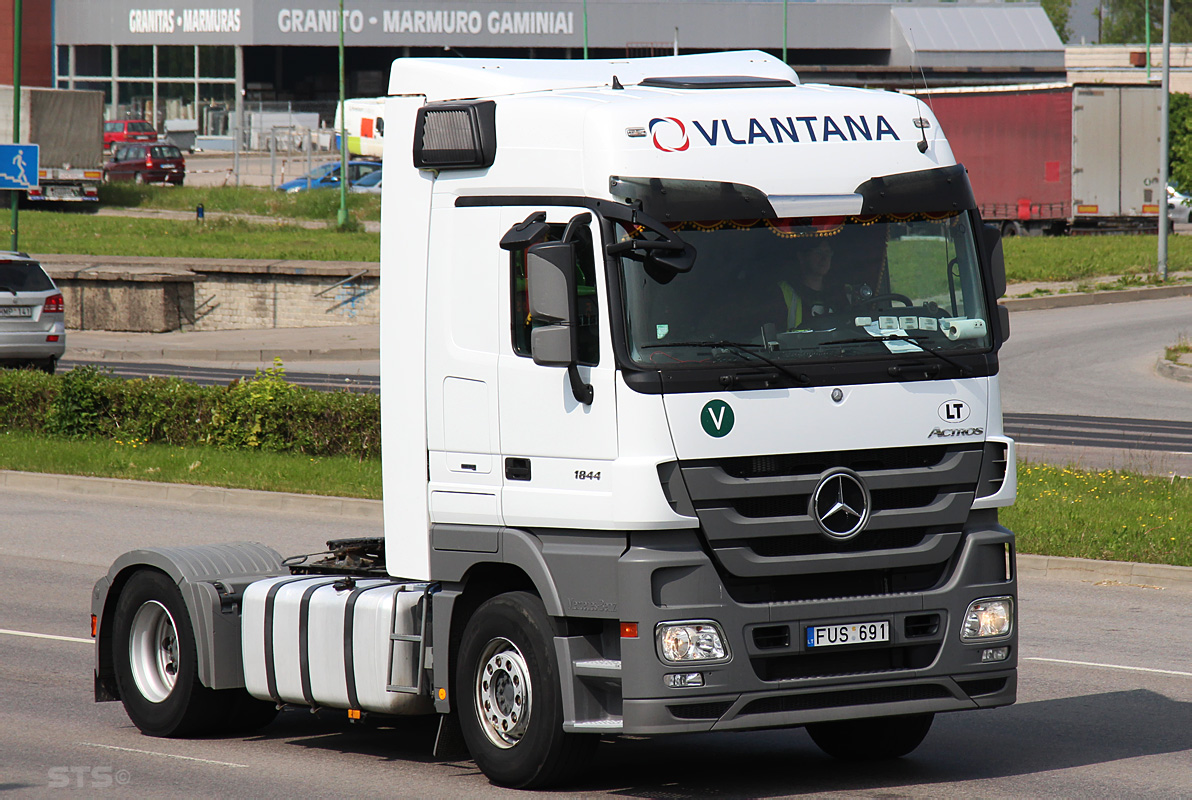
{"points": [[153, 651], [503, 693]]}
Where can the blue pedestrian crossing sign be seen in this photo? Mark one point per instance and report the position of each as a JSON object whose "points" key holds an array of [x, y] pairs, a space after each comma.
{"points": [[18, 166]]}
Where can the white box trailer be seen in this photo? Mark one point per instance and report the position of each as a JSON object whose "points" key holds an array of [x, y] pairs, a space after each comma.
{"points": [[691, 422], [67, 127]]}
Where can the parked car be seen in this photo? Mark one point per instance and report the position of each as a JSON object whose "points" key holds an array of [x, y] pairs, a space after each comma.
{"points": [[32, 314], [1179, 205], [369, 184], [146, 163], [326, 176], [120, 131]]}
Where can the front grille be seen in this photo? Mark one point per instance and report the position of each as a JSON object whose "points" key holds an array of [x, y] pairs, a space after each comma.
{"points": [[839, 699], [983, 686], [755, 511], [834, 584], [815, 463], [854, 662], [700, 710]]}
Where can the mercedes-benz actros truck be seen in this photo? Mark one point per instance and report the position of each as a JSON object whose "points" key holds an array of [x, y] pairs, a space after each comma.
{"points": [[691, 422]]}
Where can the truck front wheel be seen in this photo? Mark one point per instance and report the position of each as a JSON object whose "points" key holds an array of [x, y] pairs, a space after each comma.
{"points": [[156, 662], [873, 739], [510, 705]]}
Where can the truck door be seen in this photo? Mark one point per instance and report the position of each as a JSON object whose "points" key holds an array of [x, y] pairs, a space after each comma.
{"points": [[555, 449]]}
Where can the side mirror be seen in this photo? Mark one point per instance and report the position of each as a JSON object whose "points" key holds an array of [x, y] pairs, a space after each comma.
{"points": [[992, 239], [551, 279]]}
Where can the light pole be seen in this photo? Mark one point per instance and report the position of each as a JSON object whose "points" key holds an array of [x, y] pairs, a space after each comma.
{"points": [[585, 30], [16, 106], [343, 128], [1164, 161], [784, 12]]}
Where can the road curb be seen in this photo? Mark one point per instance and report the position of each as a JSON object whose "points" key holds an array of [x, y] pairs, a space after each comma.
{"points": [[1110, 573], [1075, 569], [1096, 298], [266, 355], [348, 508], [1173, 370]]}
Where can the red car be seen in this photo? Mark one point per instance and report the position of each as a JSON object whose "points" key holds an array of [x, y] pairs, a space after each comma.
{"points": [[146, 163], [119, 131]]}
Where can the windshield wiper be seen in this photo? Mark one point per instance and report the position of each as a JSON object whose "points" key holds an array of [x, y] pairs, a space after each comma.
{"points": [[917, 341], [740, 347], [8, 289]]}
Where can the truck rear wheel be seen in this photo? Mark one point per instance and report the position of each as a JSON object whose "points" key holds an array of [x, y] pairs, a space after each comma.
{"points": [[156, 662], [873, 739], [510, 704]]}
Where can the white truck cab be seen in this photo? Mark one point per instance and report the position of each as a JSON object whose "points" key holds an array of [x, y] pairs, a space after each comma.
{"points": [[691, 422]]}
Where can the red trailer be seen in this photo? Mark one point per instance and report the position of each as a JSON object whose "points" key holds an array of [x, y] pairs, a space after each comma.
{"points": [[1057, 158]]}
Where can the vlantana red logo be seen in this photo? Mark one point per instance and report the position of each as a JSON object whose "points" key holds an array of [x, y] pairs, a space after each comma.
{"points": [[669, 134]]}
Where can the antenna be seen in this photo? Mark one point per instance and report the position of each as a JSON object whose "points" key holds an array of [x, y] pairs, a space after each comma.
{"points": [[920, 123], [617, 84]]}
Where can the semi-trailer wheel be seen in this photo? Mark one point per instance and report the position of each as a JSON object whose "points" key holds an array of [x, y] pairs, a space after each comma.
{"points": [[509, 699], [156, 662], [874, 739]]}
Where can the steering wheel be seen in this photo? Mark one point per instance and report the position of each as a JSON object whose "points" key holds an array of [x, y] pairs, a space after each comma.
{"points": [[878, 298]]}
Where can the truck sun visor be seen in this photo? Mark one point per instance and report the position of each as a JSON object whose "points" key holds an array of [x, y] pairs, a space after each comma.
{"points": [[674, 199], [717, 82], [456, 135], [940, 189]]}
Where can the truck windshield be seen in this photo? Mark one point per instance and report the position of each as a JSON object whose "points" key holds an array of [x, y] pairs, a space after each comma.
{"points": [[810, 289]]}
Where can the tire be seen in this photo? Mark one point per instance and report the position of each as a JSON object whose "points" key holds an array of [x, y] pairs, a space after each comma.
{"points": [[47, 365], [156, 662], [876, 739], [510, 703]]}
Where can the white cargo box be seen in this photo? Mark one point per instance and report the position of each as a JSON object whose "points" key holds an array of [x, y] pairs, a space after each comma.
{"points": [[323, 641]]}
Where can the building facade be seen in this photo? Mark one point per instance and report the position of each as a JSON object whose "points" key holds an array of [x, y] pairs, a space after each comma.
{"points": [[161, 61]]}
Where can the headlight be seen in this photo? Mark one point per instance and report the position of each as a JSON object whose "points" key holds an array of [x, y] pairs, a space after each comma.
{"points": [[988, 618], [687, 642]]}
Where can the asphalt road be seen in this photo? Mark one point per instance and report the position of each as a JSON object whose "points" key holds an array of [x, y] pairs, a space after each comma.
{"points": [[1096, 361], [1105, 691]]}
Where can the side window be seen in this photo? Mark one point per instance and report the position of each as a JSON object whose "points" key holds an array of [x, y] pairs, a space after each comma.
{"points": [[587, 306]]}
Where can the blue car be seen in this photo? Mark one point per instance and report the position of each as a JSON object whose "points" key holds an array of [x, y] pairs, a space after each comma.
{"points": [[326, 176]]}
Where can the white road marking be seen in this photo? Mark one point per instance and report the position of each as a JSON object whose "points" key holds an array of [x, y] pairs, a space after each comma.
{"points": [[1113, 666], [162, 755], [47, 636]]}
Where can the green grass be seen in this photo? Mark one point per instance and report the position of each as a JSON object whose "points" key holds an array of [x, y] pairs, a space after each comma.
{"points": [[206, 466], [51, 232], [316, 204], [1182, 347], [1107, 515], [1075, 258]]}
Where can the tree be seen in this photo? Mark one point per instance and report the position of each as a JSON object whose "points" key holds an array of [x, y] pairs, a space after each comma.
{"points": [[1124, 21], [1179, 140], [1059, 11]]}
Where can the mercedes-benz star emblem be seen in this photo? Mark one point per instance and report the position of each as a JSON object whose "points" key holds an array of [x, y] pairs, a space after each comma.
{"points": [[840, 504]]}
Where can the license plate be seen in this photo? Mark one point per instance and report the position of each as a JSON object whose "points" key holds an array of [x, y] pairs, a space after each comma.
{"points": [[63, 191], [16, 311], [852, 633]]}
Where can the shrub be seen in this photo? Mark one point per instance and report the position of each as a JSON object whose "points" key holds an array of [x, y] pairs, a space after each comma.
{"points": [[265, 412]]}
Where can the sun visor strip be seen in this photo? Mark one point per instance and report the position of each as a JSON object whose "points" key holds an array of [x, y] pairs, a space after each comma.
{"points": [[930, 190], [672, 199], [816, 205]]}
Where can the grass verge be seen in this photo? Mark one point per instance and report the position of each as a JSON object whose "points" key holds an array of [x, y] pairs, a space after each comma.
{"points": [[51, 232], [205, 466], [1107, 515], [316, 204], [1182, 347], [1076, 258]]}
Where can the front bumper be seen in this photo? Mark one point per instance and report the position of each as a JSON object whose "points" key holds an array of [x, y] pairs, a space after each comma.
{"points": [[772, 679]]}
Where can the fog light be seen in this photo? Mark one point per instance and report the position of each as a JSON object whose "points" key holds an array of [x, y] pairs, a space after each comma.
{"points": [[995, 654], [684, 679], [988, 618], [683, 642]]}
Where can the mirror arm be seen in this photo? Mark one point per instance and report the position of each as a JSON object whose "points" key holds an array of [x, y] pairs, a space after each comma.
{"points": [[583, 391]]}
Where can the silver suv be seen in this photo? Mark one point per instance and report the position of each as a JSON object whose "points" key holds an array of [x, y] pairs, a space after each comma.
{"points": [[32, 314]]}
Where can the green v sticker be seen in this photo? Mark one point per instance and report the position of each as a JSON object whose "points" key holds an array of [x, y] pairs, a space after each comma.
{"points": [[717, 418]]}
